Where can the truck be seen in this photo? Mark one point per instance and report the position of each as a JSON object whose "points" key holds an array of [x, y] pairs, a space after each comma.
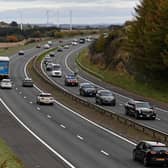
{"points": [[4, 67]]}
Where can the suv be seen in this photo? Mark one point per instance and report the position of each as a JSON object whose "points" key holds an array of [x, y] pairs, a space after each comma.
{"points": [[45, 98], [6, 84], [56, 70], [87, 89], [150, 152], [105, 97], [71, 80], [139, 109]]}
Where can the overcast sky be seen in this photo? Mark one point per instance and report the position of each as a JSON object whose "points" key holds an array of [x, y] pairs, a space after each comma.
{"points": [[83, 11]]}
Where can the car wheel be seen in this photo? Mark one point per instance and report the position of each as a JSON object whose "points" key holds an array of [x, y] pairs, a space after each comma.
{"points": [[126, 111], [113, 103], [145, 162], [136, 115]]}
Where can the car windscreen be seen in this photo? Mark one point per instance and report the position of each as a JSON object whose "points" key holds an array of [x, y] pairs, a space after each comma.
{"points": [[143, 105], [159, 148], [106, 94], [88, 86], [45, 95], [71, 77]]}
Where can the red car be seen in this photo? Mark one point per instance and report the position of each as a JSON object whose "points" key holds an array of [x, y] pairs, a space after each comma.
{"points": [[71, 80]]}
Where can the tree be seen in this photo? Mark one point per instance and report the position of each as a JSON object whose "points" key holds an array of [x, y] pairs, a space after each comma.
{"points": [[13, 24]]}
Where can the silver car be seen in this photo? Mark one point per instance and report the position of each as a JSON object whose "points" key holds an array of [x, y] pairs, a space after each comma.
{"points": [[45, 98], [6, 84]]}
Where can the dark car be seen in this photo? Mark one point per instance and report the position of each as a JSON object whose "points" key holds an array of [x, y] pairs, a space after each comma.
{"points": [[49, 67], [140, 109], [150, 152], [52, 54], [38, 46], [47, 60], [87, 89], [59, 49], [81, 40], [105, 97], [21, 52], [71, 80], [27, 82]]}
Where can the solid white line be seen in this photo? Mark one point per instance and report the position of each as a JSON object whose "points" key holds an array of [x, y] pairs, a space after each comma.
{"points": [[79, 137], [105, 153], [38, 138], [43, 142], [63, 126]]}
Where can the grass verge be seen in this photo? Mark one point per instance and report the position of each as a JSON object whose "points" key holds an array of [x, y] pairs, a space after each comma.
{"points": [[8, 158], [158, 92]]}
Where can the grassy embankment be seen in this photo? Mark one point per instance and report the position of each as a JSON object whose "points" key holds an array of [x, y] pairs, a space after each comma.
{"points": [[158, 91], [8, 158]]}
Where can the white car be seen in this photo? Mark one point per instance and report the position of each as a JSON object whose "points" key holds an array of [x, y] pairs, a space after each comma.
{"points": [[66, 47], [74, 43], [21, 52], [6, 84], [46, 46], [45, 98], [56, 71]]}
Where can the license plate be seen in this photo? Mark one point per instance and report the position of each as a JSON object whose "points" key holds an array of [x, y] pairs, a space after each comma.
{"points": [[160, 159]]}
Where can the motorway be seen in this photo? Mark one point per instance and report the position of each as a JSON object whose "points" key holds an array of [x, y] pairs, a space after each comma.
{"points": [[67, 60], [77, 141]]}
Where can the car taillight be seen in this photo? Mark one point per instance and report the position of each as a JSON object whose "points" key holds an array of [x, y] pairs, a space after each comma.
{"points": [[152, 152]]}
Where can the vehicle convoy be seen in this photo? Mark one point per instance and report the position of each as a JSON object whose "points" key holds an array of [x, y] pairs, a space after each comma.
{"points": [[150, 152], [105, 97], [6, 84], [71, 80], [4, 67], [140, 109], [87, 89], [45, 98]]}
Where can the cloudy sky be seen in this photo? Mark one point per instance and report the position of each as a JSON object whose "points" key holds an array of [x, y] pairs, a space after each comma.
{"points": [[58, 11]]}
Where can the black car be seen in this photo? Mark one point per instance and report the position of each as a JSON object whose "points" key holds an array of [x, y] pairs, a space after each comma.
{"points": [[140, 109], [105, 97], [81, 40], [150, 152], [52, 54], [71, 80], [59, 49], [87, 89], [27, 82]]}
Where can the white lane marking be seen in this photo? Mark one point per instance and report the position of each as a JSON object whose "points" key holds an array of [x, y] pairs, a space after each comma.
{"points": [[80, 137], [24, 97], [158, 119], [37, 137], [31, 102], [16, 88], [38, 108], [104, 153], [82, 117], [20, 92], [62, 126], [49, 116]]}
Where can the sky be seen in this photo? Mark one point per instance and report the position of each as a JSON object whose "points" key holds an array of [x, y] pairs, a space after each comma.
{"points": [[59, 11]]}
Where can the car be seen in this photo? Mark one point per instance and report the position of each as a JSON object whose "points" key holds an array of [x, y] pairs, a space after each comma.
{"points": [[6, 84], [87, 89], [38, 46], [74, 43], [27, 82], [49, 67], [47, 60], [150, 152], [59, 49], [46, 46], [52, 54], [50, 43], [45, 98], [140, 109], [21, 52], [56, 71], [81, 40], [66, 47], [71, 80], [105, 97]]}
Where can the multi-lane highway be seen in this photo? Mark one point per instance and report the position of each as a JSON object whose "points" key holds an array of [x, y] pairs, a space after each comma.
{"points": [[75, 140], [67, 60]]}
